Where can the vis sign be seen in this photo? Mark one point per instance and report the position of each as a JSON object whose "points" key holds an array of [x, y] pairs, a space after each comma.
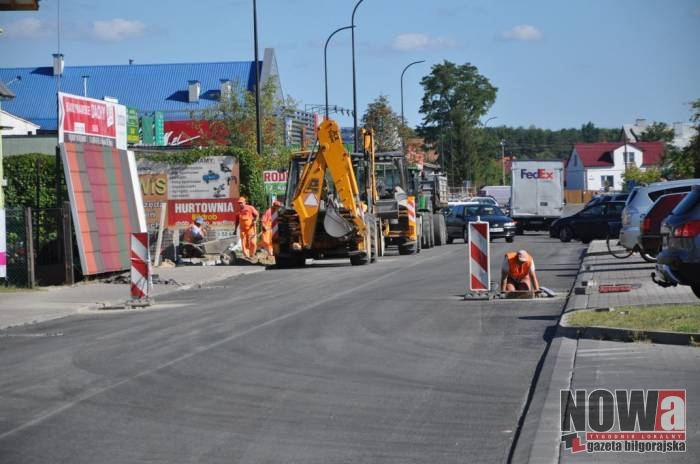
{"points": [[541, 174]]}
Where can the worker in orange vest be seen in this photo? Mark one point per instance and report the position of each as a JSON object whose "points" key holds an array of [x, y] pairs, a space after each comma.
{"points": [[246, 217], [196, 232], [518, 272], [267, 224]]}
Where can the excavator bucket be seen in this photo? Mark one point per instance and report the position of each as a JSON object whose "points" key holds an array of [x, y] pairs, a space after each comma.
{"points": [[336, 226]]}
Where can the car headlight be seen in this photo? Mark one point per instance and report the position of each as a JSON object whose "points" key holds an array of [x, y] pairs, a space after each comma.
{"points": [[509, 224]]}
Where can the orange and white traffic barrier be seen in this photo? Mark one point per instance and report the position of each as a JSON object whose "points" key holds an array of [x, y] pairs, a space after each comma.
{"points": [[479, 259], [411, 210], [275, 225], [140, 266]]}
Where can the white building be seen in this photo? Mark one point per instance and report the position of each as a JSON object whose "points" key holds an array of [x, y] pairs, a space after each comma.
{"points": [[683, 132], [600, 166], [13, 125]]}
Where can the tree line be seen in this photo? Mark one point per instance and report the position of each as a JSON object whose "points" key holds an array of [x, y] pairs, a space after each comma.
{"points": [[457, 98]]}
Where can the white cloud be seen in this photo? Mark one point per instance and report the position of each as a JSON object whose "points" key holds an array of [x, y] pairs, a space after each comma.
{"points": [[416, 41], [29, 28], [524, 32], [116, 30]]}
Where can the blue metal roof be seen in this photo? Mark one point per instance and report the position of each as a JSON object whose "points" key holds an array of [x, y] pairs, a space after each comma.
{"points": [[147, 87]]}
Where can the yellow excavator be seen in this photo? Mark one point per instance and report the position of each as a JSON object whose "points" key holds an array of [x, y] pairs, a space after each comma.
{"points": [[329, 206]]}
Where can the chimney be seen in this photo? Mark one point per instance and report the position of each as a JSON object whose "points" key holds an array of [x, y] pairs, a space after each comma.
{"points": [[641, 123], [193, 88], [225, 89], [58, 64]]}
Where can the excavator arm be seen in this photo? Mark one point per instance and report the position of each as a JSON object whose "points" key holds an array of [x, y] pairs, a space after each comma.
{"points": [[331, 157]]}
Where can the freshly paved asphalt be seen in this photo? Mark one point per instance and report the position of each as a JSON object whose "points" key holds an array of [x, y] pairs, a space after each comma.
{"points": [[333, 363]]}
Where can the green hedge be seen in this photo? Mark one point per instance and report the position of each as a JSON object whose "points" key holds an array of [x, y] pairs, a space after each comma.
{"points": [[31, 181]]}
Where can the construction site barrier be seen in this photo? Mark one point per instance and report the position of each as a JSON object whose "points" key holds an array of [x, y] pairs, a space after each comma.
{"points": [[479, 258], [140, 266]]}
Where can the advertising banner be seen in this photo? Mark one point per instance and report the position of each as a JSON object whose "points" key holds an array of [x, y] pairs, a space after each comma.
{"points": [[132, 126], [106, 204], [275, 182], [86, 120], [159, 128], [206, 188]]}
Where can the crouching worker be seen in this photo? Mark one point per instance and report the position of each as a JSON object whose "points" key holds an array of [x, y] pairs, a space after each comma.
{"points": [[196, 232], [518, 272]]}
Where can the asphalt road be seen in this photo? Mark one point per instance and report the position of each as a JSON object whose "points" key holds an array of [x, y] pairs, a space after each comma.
{"points": [[330, 364]]}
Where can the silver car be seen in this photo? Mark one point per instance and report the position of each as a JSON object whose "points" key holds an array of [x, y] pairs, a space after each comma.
{"points": [[639, 202]]}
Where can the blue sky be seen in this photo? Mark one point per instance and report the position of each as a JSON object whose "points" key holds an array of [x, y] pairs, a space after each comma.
{"points": [[556, 64]]}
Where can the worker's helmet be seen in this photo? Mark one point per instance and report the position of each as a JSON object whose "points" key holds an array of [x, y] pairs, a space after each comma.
{"points": [[199, 221], [523, 256]]}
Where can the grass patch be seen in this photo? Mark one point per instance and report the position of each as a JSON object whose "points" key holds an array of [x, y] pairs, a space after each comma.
{"points": [[671, 318]]}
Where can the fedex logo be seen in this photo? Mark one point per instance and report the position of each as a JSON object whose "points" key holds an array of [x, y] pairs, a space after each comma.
{"points": [[541, 173]]}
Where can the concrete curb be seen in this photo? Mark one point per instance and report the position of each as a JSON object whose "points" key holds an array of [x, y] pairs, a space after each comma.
{"points": [[623, 334]]}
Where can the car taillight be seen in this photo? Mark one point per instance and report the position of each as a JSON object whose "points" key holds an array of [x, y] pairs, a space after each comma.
{"points": [[646, 225], [687, 230]]}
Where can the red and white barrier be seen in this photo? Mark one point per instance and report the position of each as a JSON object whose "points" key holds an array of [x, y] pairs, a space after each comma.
{"points": [[411, 210], [479, 257], [275, 225], [140, 266]]}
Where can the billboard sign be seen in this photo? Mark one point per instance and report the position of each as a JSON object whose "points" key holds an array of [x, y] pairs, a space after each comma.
{"points": [[132, 126], [87, 120], [206, 188], [275, 182]]}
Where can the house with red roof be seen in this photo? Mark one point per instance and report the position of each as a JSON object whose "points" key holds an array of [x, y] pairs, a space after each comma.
{"points": [[600, 166]]}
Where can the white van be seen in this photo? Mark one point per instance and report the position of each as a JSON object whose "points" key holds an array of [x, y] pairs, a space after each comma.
{"points": [[639, 202]]}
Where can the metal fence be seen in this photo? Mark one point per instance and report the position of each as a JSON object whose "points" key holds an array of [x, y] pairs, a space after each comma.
{"points": [[16, 232], [35, 247]]}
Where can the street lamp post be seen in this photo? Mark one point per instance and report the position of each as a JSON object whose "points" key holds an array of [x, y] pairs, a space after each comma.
{"points": [[258, 126], [403, 121], [354, 86], [503, 162], [489, 119], [325, 61]]}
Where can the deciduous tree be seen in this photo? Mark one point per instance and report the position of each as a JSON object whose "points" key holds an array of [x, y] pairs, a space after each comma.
{"points": [[385, 123], [455, 100]]}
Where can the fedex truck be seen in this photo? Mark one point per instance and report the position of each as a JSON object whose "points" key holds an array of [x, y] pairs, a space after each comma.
{"points": [[537, 196]]}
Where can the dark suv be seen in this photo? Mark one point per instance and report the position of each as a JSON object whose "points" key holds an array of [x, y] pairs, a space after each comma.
{"points": [[649, 239], [678, 263]]}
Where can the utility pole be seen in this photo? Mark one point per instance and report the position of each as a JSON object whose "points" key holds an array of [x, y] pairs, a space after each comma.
{"points": [[503, 162]]}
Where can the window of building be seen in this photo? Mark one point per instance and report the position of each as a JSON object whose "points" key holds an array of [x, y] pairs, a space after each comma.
{"points": [[607, 182], [629, 159]]}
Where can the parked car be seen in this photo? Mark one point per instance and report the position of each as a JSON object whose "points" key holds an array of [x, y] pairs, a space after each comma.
{"points": [[588, 224], [678, 263], [649, 239], [640, 201], [500, 225], [607, 197], [484, 200]]}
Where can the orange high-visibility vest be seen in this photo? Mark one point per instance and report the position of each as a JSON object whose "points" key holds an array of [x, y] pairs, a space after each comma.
{"points": [[247, 216], [516, 269]]}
